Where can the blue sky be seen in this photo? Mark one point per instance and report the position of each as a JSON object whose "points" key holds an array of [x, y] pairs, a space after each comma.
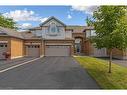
{"points": [[34, 15]]}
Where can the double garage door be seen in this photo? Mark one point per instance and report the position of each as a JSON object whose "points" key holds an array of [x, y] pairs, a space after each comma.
{"points": [[3, 48], [33, 50], [57, 50]]}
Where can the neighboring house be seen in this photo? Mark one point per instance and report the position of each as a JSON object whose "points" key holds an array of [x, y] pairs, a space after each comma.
{"points": [[51, 38]]}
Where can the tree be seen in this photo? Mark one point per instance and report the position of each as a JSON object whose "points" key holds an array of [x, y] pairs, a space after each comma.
{"points": [[110, 23], [88, 21], [7, 22]]}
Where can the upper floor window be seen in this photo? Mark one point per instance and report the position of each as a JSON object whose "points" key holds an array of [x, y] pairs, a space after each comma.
{"points": [[53, 29], [90, 33], [93, 33]]}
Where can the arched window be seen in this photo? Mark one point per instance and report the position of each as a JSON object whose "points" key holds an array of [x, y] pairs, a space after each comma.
{"points": [[53, 28]]}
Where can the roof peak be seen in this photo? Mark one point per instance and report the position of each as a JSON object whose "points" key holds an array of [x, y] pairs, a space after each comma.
{"points": [[52, 17]]}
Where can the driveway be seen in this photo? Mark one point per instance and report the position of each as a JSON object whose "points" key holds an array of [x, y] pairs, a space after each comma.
{"points": [[9, 63], [48, 73]]}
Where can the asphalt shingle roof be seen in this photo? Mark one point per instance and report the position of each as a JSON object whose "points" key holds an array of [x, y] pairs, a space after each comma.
{"points": [[11, 32]]}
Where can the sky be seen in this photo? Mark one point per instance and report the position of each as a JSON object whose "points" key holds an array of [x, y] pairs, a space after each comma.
{"points": [[32, 16]]}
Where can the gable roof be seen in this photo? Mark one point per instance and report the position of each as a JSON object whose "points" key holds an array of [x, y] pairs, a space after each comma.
{"points": [[35, 28], [76, 28], [89, 28], [50, 18], [10, 32]]}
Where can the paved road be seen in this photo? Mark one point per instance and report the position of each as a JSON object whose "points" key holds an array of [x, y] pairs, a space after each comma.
{"points": [[48, 73], [121, 62]]}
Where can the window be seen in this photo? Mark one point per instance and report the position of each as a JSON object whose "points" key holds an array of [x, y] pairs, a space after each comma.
{"points": [[77, 40], [53, 29], [1, 45], [5, 45], [93, 33], [90, 33]]}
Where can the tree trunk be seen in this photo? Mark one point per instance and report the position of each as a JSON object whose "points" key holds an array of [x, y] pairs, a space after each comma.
{"points": [[110, 62]]}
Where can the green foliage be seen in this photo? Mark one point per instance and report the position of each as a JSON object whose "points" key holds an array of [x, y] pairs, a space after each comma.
{"points": [[97, 68], [7, 22], [111, 27], [89, 22]]}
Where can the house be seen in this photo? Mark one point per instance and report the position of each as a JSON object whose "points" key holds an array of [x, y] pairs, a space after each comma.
{"points": [[51, 38]]}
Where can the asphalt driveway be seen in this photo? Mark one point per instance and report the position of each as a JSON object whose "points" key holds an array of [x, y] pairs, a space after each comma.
{"points": [[48, 73], [9, 63]]}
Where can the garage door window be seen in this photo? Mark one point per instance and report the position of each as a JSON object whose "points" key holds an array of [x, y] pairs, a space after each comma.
{"points": [[34, 46], [56, 46], [2, 45], [5, 45]]}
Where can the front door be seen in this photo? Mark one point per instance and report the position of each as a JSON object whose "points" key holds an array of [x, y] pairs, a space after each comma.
{"points": [[78, 48]]}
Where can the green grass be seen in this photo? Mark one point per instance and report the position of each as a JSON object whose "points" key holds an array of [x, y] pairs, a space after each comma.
{"points": [[98, 69]]}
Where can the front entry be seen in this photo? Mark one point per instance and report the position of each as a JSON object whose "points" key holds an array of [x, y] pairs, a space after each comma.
{"points": [[33, 50], [78, 42], [78, 47], [57, 50]]}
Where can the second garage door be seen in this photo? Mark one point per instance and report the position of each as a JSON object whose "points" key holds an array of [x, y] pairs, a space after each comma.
{"points": [[33, 50], [54, 50]]}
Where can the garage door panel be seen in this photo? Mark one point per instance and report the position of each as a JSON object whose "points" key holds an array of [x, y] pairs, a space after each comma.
{"points": [[3, 48], [57, 51], [33, 50]]}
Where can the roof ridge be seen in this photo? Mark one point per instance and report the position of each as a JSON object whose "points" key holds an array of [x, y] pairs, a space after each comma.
{"points": [[52, 17]]}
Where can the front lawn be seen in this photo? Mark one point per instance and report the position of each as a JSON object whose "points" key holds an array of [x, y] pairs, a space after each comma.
{"points": [[98, 69]]}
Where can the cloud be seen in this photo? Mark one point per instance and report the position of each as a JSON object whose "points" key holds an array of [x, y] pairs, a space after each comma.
{"points": [[85, 9], [24, 26], [22, 15], [69, 16], [43, 19]]}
